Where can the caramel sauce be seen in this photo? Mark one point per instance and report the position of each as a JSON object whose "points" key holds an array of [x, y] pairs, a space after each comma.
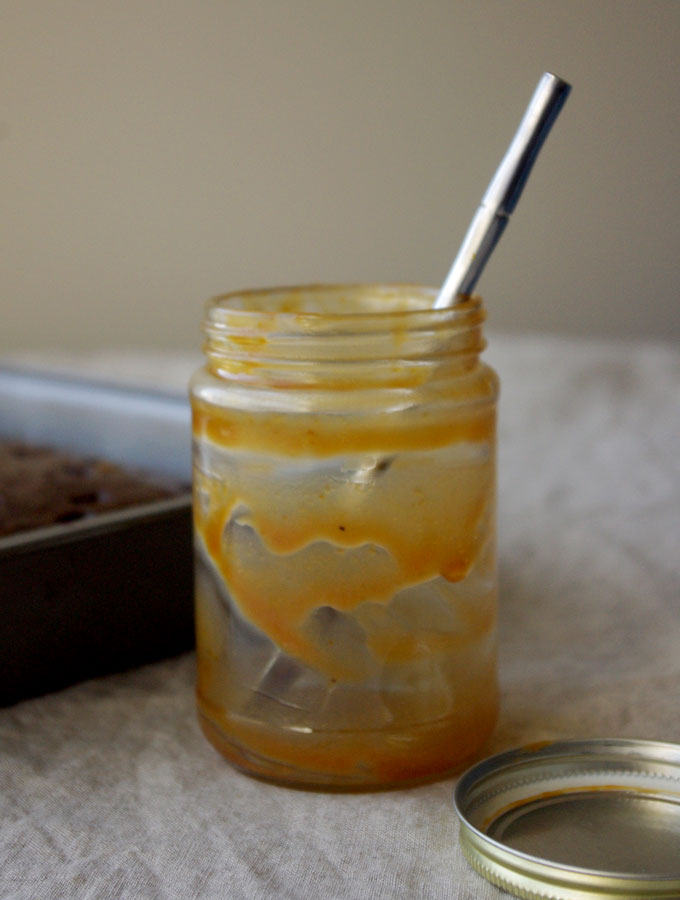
{"points": [[350, 545], [415, 755], [278, 599], [330, 436]]}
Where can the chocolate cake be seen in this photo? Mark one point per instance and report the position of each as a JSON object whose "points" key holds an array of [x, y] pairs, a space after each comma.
{"points": [[42, 486]]}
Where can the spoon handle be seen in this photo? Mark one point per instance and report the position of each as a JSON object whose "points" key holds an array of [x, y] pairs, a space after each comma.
{"points": [[504, 190]]}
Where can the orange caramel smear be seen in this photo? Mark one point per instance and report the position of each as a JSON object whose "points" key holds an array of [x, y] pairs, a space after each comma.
{"points": [[352, 759], [278, 597], [340, 544], [319, 435]]}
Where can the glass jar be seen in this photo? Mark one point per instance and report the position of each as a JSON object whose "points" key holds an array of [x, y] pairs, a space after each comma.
{"points": [[344, 498]]}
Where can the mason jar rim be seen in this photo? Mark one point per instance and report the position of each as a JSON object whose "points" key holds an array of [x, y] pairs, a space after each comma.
{"points": [[219, 307]]}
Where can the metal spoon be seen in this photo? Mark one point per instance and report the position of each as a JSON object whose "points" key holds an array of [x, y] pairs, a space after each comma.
{"points": [[494, 211], [504, 191]]}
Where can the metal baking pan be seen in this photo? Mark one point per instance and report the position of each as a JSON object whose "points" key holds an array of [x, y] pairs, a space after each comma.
{"points": [[112, 591]]}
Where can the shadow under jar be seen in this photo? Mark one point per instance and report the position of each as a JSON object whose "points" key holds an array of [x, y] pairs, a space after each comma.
{"points": [[344, 508]]}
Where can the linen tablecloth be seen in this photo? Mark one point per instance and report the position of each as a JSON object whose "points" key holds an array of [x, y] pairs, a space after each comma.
{"points": [[108, 789]]}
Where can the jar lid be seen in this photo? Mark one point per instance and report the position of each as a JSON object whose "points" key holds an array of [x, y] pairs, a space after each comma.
{"points": [[575, 819]]}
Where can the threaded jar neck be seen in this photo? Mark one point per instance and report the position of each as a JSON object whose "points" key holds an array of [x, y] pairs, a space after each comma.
{"points": [[340, 336]]}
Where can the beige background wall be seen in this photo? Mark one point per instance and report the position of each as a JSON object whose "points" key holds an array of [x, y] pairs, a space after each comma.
{"points": [[155, 153]]}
